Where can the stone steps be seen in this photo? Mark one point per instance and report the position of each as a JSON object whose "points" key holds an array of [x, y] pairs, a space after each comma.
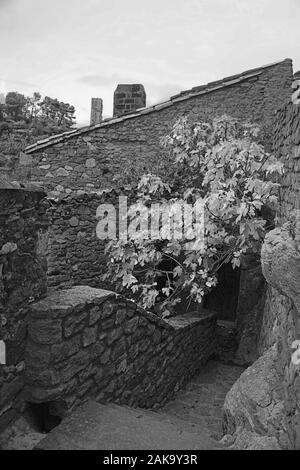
{"points": [[201, 403], [193, 420], [111, 427]]}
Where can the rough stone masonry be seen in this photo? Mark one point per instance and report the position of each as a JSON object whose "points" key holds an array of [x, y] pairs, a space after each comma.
{"points": [[90, 343], [22, 280], [263, 408], [118, 151]]}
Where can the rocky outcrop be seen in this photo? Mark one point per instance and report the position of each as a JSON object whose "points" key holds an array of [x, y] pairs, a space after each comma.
{"points": [[249, 331], [262, 410], [281, 259], [253, 407]]}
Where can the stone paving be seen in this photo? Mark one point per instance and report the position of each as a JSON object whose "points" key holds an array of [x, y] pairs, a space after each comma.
{"points": [[202, 400], [193, 419]]}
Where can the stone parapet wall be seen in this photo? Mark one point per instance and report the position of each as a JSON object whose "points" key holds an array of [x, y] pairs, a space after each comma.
{"points": [[91, 343], [22, 280]]}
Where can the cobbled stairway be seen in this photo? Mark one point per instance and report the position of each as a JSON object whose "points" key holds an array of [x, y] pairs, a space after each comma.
{"points": [[201, 403], [193, 420]]}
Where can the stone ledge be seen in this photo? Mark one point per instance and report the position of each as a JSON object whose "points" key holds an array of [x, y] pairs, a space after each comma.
{"points": [[95, 343], [62, 302]]}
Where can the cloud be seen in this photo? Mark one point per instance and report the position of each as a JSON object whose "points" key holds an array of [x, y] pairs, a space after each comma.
{"points": [[104, 80]]}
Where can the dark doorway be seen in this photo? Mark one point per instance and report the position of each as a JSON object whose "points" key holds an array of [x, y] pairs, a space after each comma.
{"points": [[223, 299]]}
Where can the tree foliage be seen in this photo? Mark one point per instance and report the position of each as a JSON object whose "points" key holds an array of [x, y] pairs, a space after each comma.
{"points": [[224, 165], [44, 115]]}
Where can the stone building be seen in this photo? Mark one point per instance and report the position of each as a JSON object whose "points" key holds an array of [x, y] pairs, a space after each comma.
{"points": [[118, 150], [82, 342]]}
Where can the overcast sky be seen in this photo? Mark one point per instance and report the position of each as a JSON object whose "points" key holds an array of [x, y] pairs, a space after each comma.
{"points": [[75, 49]]}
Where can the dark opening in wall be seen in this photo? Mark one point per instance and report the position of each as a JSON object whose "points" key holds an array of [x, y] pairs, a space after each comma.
{"points": [[223, 298], [45, 416]]}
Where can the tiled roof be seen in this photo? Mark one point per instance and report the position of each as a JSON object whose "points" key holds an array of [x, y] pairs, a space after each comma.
{"points": [[184, 95]]}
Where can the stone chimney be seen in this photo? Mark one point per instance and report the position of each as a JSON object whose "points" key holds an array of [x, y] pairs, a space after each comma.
{"points": [[128, 98], [96, 111]]}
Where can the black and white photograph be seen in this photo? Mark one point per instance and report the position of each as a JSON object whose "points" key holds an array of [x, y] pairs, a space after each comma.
{"points": [[149, 228]]}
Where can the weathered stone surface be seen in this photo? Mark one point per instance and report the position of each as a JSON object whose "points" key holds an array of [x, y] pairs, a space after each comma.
{"points": [[108, 309], [90, 163], [64, 349], [281, 259], [25, 160], [86, 360], [94, 427], [248, 345], [38, 355], [22, 280], [254, 403], [74, 221], [247, 440], [121, 316], [45, 331], [71, 367], [10, 389], [89, 336], [62, 172], [74, 323], [95, 315]]}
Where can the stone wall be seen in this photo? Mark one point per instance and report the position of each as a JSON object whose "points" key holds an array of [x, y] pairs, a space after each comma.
{"points": [[263, 408], [75, 255], [117, 153], [91, 343], [249, 315], [22, 280], [287, 148]]}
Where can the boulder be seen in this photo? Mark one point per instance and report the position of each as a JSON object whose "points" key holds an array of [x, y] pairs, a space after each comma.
{"points": [[280, 258], [253, 408]]}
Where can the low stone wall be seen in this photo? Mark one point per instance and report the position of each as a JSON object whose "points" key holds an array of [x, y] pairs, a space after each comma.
{"points": [[22, 280], [91, 343]]}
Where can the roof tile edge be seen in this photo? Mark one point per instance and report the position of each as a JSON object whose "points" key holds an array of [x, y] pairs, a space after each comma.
{"points": [[185, 95]]}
